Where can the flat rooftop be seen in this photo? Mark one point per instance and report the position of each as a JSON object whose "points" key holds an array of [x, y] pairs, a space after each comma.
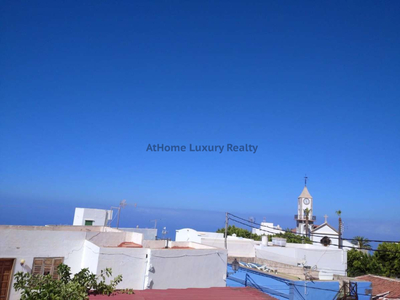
{"points": [[222, 293]]}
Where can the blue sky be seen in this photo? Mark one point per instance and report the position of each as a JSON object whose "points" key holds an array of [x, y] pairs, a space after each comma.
{"points": [[86, 86]]}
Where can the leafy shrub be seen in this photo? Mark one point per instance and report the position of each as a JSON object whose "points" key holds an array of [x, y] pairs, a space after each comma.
{"points": [[384, 262], [78, 287], [289, 236]]}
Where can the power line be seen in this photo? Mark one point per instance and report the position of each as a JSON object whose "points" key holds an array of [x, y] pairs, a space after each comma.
{"points": [[348, 239], [375, 250]]}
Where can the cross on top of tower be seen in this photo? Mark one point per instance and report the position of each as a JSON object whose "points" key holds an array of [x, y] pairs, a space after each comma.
{"points": [[305, 180], [326, 218]]}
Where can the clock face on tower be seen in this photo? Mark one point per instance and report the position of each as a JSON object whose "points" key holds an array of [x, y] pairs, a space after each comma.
{"points": [[306, 201]]}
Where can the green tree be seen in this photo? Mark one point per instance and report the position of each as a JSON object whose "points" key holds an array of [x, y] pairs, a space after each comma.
{"points": [[358, 263], [240, 232], [388, 256], [384, 262], [45, 287], [361, 242], [307, 214]]}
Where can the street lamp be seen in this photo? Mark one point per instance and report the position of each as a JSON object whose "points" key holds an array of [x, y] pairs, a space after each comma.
{"points": [[235, 265], [164, 233]]}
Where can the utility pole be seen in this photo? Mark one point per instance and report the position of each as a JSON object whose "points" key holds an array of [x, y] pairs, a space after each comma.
{"points": [[226, 231], [340, 233], [339, 213], [155, 223]]}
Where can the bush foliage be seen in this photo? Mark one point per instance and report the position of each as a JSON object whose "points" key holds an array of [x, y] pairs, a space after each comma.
{"points": [[384, 262], [289, 236], [78, 287]]}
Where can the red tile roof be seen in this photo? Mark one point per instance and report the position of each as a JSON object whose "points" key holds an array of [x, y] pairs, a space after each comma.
{"points": [[223, 293], [129, 245], [383, 284]]}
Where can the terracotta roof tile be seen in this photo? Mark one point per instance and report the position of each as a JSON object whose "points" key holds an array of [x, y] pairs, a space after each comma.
{"points": [[129, 245], [383, 284]]}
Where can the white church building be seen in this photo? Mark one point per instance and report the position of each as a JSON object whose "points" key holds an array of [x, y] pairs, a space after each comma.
{"points": [[324, 234]]}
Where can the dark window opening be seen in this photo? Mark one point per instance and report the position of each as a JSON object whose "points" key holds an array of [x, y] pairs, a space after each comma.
{"points": [[325, 241]]}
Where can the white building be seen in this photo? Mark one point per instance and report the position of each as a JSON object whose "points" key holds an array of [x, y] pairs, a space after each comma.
{"points": [[267, 229], [327, 234], [92, 217], [143, 264], [237, 246], [324, 234], [102, 217]]}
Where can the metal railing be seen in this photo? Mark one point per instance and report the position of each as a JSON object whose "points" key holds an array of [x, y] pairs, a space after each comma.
{"points": [[296, 217]]}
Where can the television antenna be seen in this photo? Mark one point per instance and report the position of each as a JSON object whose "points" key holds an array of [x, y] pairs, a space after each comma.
{"points": [[155, 222], [122, 204]]}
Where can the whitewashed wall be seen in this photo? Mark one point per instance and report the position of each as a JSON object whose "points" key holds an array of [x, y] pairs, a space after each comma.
{"points": [[326, 259], [90, 256], [108, 239], [236, 246], [187, 268], [148, 233], [187, 235], [28, 244], [131, 263]]}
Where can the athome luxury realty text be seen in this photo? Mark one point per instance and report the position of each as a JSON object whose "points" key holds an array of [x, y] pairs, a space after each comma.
{"points": [[202, 148]]}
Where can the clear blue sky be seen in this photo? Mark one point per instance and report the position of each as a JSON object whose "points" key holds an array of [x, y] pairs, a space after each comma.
{"points": [[85, 86]]}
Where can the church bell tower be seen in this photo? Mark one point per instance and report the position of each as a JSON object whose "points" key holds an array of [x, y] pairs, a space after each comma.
{"points": [[304, 206]]}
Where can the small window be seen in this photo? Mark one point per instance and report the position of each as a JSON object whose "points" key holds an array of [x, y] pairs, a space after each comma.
{"points": [[89, 222], [325, 241], [46, 265]]}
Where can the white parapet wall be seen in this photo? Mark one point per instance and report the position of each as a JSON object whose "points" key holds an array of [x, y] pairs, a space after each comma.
{"points": [[105, 239], [148, 233], [186, 268], [90, 257], [237, 246], [326, 259], [131, 263]]}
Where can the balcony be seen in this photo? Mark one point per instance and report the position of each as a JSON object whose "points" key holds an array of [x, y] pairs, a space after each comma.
{"points": [[296, 217]]}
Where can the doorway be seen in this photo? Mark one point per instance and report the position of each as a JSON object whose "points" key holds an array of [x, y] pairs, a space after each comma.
{"points": [[6, 275]]}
